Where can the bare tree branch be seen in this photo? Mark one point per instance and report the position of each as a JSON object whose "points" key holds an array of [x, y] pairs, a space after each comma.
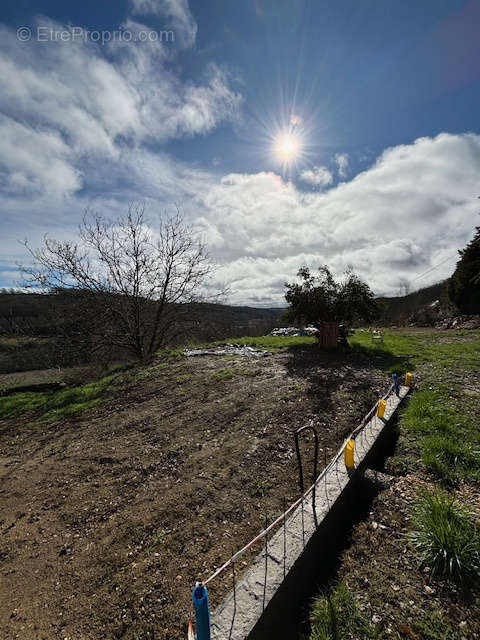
{"points": [[133, 276]]}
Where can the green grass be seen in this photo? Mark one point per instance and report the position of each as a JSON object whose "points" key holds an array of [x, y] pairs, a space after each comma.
{"points": [[394, 354], [222, 374], [250, 373], [147, 373], [447, 539], [449, 459], [270, 343], [259, 489], [183, 378], [171, 352], [447, 435], [435, 627], [336, 615], [440, 350], [56, 405]]}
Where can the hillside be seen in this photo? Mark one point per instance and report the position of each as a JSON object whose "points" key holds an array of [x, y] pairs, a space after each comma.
{"points": [[397, 309], [36, 330], [119, 494], [30, 314]]}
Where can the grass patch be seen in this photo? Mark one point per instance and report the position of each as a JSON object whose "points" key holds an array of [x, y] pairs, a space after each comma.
{"points": [[259, 489], [446, 539], [270, 343], [250, 373], [439, 349], [222, 374], [393, 355], [435, 627], [183, 378], [449, 439], [147, 373], [171, 352], [336, 615], [56, 405], [449, 459]]}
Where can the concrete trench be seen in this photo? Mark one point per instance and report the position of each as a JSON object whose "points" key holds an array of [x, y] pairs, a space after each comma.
{"points": [[250, 616]]}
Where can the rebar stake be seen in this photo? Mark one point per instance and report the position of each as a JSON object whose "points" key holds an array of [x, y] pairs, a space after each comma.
{"points": [[234, 598], [284, 539], [266, 561]]}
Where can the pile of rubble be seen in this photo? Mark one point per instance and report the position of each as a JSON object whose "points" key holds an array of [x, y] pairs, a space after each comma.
{"points": [[229, 350], [294, 331], [460, 322], [434, 315]]}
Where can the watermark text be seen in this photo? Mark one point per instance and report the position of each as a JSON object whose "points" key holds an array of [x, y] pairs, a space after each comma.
{"points": [[79, 34]]}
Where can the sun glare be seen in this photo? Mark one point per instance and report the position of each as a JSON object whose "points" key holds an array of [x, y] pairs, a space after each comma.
{"points": [[287, 147], [286, 137]]}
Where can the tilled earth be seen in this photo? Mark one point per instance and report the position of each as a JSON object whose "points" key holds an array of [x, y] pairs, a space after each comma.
{"points": [[107, 519]]}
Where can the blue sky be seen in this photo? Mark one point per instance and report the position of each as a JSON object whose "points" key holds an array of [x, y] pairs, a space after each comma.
{"points": [[383, 98]]}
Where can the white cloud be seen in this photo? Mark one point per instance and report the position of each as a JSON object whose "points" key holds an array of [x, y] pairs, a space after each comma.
{"points": [[72, 102], [177, 12], [35, 160], [318, 176], [342, 160], [408, 212]]}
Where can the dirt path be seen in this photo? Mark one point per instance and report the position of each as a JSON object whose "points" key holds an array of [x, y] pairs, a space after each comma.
{"points": [[107, 520]]}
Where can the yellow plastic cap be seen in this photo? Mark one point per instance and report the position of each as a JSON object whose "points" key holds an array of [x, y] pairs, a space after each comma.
{"points": [[382, 405], [349, 453]]}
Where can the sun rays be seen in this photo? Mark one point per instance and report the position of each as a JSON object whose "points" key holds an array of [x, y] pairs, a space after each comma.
{"points": [[288, 145]]}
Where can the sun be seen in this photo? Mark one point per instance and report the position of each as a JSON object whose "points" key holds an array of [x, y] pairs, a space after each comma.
{"points": [[287, 147]]}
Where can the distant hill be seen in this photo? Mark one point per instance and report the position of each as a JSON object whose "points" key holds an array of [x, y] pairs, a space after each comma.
{"points": [[36, 330], [31, 314], [396, 310]]}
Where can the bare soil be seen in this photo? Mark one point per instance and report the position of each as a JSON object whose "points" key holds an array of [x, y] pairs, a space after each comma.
{"points": [[107, 519], [389, 586]]}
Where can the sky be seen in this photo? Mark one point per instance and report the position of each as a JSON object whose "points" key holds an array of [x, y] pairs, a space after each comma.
{"points": [[289, 132]]}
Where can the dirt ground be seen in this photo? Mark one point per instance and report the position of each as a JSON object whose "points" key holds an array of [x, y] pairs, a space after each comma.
{"points": [[389, 586], [107, 519]]}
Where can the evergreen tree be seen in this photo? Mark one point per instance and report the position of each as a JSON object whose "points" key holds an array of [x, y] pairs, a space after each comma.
{"points": [[464, 285]]}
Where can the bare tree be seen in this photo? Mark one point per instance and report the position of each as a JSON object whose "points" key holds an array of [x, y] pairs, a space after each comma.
{"points": [[132, 280]]}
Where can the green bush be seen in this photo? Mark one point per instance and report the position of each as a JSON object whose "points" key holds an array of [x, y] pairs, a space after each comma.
{"points": [[336, 616], [447, 539]]}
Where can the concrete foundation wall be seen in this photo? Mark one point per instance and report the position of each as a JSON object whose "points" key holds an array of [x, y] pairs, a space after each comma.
{"points": [[256, 616]]}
